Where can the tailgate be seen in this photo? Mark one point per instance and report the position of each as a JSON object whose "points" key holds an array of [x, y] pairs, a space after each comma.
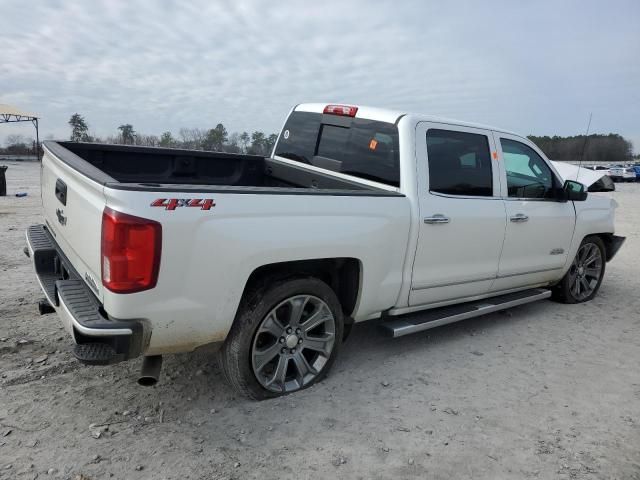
{"points": [[73, 206]]}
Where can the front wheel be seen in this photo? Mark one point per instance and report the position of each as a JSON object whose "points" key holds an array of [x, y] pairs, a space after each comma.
{"points": [[582, 281], [285, 338]]}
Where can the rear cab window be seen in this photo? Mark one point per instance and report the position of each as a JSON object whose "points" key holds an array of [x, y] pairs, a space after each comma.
{"points": [[459, 163], [363, 148]]}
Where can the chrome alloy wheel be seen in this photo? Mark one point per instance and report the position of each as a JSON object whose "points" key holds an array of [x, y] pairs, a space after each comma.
{"points": [[293, 343], [585, 271]]}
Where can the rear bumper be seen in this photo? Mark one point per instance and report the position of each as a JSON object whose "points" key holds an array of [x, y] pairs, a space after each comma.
{"points": [[76, 305]]}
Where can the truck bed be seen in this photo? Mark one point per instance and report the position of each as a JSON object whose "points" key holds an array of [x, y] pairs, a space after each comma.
{"points": [[149, 168], [263, 212]]}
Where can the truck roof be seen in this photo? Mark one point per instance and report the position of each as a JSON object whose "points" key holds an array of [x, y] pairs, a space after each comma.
{"points": [[392, 116]]}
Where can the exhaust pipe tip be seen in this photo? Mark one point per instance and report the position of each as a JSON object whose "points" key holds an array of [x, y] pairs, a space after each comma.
{"points": [[146, 381], [150, 370]]}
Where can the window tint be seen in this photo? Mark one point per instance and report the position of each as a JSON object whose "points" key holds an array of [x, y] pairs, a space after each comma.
{"points": [[528, 175], [332, 141], [299, 136], [459, 163], [364, 148]]}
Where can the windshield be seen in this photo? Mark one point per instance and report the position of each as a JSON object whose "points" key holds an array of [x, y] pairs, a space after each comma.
{"points": [[363, 148]]}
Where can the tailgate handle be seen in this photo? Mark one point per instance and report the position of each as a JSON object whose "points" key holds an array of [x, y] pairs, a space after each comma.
{"points": [[61, 191]]}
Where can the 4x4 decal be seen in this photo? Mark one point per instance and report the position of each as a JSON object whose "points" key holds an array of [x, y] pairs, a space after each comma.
{"points": [[173, 203]]}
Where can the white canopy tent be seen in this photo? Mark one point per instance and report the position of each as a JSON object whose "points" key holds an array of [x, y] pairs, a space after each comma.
{"points": [[10, 114]]}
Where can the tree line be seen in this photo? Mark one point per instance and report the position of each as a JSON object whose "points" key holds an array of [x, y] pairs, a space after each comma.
{"points": [[214, 139], [611, 148]]}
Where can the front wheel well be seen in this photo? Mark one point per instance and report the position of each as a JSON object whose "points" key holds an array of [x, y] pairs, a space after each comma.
{"points": [[341, 274], [607, 239]]}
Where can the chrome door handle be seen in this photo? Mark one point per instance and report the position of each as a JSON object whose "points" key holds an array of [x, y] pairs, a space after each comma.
{"points": [[437, 218], [519, 218]]}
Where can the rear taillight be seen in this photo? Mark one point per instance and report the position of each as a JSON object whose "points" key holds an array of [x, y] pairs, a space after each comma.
{"points": [[343, 110], [131, 248]]}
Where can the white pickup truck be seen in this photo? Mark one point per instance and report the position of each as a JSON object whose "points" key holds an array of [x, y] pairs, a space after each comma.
{"points": [[359, 214]]}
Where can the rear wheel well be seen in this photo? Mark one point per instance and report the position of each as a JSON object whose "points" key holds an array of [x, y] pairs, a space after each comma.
{"points": [[341, 274], [607, 239]]}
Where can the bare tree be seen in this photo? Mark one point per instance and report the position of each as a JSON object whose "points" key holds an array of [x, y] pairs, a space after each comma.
{"points": [[233, 145], [192, 138], [19, 144], [147, 140], [15, 139], [244, 141]]}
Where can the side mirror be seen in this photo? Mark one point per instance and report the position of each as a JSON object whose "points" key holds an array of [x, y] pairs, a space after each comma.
{"points": [[574, 191]]}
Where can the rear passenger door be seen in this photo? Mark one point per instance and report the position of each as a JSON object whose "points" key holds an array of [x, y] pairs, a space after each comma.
{"points": [[539, 227], [462, 216]]}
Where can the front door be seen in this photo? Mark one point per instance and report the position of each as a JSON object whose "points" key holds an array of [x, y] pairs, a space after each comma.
{"points": [[462, 216], [539, 228]]}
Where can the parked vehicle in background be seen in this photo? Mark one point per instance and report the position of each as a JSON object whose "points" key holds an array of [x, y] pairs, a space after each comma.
{"points": [[599, 168], [360, 213], [622, 173], [636, 168]]}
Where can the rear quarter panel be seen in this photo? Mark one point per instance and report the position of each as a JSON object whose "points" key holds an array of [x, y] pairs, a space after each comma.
{"points": [[207, 256]]}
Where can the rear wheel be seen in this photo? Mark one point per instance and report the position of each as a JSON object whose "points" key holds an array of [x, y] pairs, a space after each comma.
{"points": [[285, 338], [582, 282]]}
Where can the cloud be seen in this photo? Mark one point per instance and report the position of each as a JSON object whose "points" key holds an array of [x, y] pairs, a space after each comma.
{"points": [[161, 65]]}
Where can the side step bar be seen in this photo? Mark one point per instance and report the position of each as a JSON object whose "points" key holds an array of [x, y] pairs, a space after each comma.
{"points": [[417, 322]]}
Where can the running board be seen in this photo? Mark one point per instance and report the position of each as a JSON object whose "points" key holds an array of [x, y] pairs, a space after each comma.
{"points": [[417, 322]]}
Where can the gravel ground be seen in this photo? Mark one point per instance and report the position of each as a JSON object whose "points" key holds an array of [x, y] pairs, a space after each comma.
{"points": [[541, 391]]}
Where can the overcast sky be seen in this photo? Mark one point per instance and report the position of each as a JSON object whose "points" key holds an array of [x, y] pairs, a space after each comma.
{"points": [[533, 67]]}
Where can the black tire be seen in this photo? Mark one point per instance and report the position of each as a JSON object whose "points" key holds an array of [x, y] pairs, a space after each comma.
{"points": [[563, 291], [237, 353]]}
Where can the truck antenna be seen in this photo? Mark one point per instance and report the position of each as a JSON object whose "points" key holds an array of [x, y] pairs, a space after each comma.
{"points": [[584, 146]]}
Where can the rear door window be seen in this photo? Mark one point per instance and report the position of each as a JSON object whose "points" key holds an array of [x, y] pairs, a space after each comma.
{"points": [[367, 149], [459, 163]]}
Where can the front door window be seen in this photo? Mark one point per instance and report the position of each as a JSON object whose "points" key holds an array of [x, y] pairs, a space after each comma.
{"points": [[528, 175]]}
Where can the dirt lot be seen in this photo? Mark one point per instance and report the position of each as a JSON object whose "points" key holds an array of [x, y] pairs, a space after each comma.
{"points": [[541, 391]]}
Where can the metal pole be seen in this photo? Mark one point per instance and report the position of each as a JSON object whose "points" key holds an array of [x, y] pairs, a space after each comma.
{"points": [[37, 140]]}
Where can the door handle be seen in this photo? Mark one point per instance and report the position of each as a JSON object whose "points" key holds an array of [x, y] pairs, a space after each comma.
{"points": [[437, 218], [519, 218]]}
